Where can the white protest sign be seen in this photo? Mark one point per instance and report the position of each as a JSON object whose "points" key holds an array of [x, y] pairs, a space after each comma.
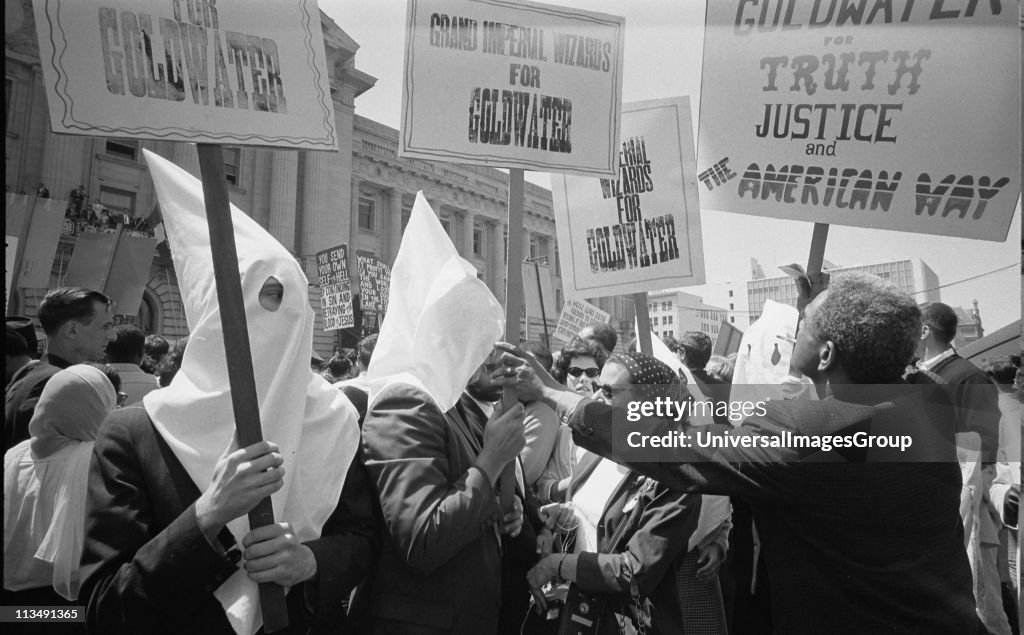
{"points": [[228, 72], [577, 314], [539, 291], [896, 115], [10, 251], [640, 232], [513, 84], [335, 288]]}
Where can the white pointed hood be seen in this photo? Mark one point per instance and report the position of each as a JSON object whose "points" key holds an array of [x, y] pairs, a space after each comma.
{"points": [[312, 422], [442, 320]]}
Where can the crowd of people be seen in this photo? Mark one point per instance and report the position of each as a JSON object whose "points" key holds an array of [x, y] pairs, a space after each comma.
{"points": [[87, 214], [107, 504]]}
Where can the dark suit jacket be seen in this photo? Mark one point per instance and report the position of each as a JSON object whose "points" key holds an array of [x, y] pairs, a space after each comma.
{"points": [[976, 400], [656, 530], [440, 564], [148, 568], [23, 394], [853, 544], [519, 553]]}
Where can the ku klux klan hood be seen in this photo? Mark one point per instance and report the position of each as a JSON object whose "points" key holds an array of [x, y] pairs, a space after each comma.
{"points": [[442, 320], [312, 422]]}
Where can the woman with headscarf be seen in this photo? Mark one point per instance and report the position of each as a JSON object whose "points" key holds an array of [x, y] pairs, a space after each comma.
{"points": [[632, 534], [45, 481]]}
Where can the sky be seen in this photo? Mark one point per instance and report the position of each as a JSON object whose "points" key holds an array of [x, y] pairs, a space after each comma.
{"points": [[663, 57]]}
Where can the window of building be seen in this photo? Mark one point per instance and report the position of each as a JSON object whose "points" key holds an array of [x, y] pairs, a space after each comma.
{"points": [[534, 248], [446, 223], [668, 319], [558, 299], [232, 156], [367, 213], [478, 242], [654, 321], [732, 320], [117, 201], [730, 293], [731, 306], [122, 148], [557, 264]]}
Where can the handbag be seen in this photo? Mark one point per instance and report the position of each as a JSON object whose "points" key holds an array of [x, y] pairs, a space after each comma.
{"points": [[584, 612]]}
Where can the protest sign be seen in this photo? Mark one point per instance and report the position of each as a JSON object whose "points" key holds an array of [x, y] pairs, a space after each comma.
{"points": [[374, 284], [641, 231], [892, 115], [539, 291], [233, 72], [577, 314], [728, 340], [512, 84], [335, 288]]}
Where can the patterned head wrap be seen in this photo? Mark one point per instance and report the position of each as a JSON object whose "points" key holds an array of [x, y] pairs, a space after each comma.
{"points": [[650, 377]]}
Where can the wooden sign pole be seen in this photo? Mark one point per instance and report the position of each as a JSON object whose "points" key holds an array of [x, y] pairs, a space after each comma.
{"points": [[237, 351], [543, 313], [643, 323], [513, 306], [817, 255]]}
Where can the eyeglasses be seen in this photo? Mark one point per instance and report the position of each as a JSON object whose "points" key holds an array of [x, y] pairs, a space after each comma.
{"points": [[122, 397], [610, 391], [576, 371]]}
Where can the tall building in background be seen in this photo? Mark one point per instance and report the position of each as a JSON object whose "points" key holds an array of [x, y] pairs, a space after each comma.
{"points": [[360, 195], [675, 312], [911, 275]]}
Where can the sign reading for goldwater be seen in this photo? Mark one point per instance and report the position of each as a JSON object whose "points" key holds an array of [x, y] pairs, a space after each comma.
{"points": [[513, 84], [894, 114], [214, 71], [641, 230]]}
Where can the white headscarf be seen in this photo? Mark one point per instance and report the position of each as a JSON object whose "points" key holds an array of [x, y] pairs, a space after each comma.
{"points": [[442, 320], [313, 423], [45, 482]]}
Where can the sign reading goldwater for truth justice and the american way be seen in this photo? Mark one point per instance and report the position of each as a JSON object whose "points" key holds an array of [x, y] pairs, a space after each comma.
{"points": [[224, 71], [641, 230], [892, 114], [512, 84]]}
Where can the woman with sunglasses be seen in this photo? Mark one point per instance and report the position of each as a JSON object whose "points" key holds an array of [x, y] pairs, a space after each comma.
{"points": [[579, 365], [632, 534], [45, 480]]}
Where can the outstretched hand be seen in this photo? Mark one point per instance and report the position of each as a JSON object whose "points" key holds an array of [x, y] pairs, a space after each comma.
{"points": [[521, 372]]}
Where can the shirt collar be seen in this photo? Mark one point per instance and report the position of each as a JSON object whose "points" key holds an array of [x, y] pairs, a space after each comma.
{"points": [[485, 407], [929, 364]]}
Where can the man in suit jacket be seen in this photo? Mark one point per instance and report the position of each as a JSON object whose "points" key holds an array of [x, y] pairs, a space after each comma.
{"points": [[857, 540], [78, 325], [975, 397], [440, 566], [695, 351]]}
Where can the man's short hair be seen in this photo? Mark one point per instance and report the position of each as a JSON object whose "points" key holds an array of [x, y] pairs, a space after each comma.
{"points": [[941, 319], [156, 347], [339, 366], [605, 335], [128, 345], [16, 345], [540, 353], [697, 348], [1002, 372], [66, 304], [112, 375], [366, 346], [874, 326], [23, 326]]}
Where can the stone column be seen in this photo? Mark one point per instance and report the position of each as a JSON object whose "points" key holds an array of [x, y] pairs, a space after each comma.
{"points": [[526, 243], [187, 158], [321, 225], [284, 173], [395, 227], [466, 220]]}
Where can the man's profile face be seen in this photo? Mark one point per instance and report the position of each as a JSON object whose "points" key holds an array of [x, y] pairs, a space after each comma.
{"points": [[481, 386], [805, 353], [95, 333]]}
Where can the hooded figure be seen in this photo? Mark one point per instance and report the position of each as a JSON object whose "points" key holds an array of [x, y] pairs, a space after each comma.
{"points": [[45, 479], [313, 424]]}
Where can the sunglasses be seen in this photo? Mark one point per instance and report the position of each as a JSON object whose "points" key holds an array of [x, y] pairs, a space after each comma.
{"points": [[576, 371], [610, 391], [122, 398]]}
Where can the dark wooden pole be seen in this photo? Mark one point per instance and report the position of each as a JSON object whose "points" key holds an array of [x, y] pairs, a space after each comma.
{"points": [[237, 352]]}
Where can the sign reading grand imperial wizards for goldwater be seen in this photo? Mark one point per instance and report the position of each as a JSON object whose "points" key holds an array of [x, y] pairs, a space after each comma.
{"points": [[893, 114], [513, 84], [215, 71], [641, 230]]}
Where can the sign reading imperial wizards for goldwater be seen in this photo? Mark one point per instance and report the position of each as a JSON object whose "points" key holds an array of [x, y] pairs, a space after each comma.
{"points": [[641, 230], [892, 114], [214, 71], [512, 84]]}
